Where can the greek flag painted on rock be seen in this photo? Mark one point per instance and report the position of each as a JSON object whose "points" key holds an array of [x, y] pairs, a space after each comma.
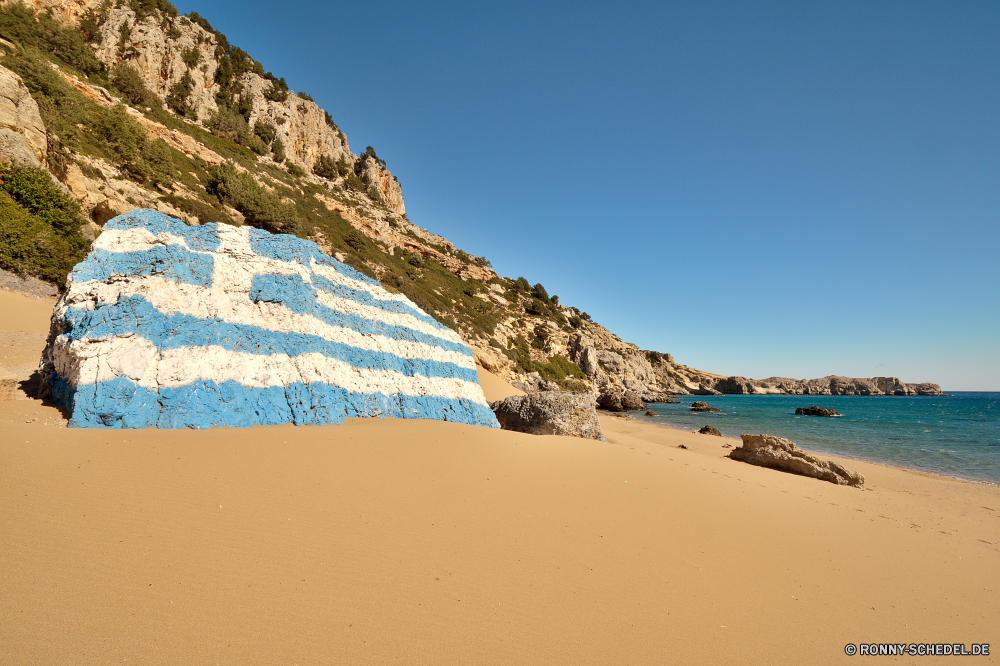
{"points": [[170, 326]]}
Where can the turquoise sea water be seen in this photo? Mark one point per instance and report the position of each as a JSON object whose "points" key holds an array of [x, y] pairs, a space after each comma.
{"points": [[957, 435]]}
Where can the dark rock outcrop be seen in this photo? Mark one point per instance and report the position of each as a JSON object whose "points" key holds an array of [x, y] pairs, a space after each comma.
{"points": [[619, 400], [817, 411], [550, 413], [779, 453], [709, 430], [650, 412], [700, 406]]}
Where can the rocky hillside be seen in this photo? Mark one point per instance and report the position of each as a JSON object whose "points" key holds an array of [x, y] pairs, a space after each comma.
{"points": [[128, 104]]}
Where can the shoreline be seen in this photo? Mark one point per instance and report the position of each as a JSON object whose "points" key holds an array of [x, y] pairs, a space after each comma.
{"points": [[871, 461], [425, 542]]}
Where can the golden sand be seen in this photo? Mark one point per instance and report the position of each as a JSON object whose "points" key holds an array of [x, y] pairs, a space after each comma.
{"points": [[421, 542]]}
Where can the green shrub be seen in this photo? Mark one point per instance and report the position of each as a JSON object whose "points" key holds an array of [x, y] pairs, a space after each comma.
{"points": [[129, 82], [39, 225], [197, 19], [305, 96], [352, 181], [535, 307], [538, 291], [278, 92], [229, 124], [18, 23], [278, 150], [203, 211], [521, 285], [144, 8], [91, 21], [356, 239], [294, 169], [265, 131], [559, 368], [325, 167], [260, 208], [124, 137], [257, 146], [180, 92], [191, 56]]}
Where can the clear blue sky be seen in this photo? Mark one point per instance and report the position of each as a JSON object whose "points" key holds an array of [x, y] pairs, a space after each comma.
{"points": [[795, 189]]}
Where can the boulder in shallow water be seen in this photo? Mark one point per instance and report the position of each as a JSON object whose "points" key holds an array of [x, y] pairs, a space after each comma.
{"points": [[709, 430], [779, 453], [700, 406], [550, 413], [166, 325], [816, 411]]}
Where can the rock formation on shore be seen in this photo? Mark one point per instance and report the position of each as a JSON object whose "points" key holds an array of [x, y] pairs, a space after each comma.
{"points": [[700, 406], [709, 430], [174, 326], [779, 453], [550, 413]]}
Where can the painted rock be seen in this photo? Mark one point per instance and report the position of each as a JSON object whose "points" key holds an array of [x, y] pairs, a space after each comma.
{"points": [[170, 326]]}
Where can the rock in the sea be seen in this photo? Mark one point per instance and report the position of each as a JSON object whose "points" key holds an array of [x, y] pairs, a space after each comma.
{"points": [[700, 406], [172, 326], [817, 411], [650, 412], [779, 453], [615, 399], [709, 430], [550, 413]]}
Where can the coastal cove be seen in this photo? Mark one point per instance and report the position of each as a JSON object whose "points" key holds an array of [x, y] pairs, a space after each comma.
{"points": [[956, 435]]}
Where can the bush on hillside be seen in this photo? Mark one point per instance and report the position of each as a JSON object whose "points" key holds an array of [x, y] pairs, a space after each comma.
{"points": [[326, 167], [265, 131], [260, 208], [278, 150], [39, 225], [124, 136], [278, 92], [129, 82], [191, 56], [294, 169], [179, 98], [229, 124], [19, 24], [91, 21]]}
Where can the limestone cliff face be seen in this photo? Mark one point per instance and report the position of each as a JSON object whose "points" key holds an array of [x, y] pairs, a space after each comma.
{"points": [[155, 47], [158, 56], [22, 133], [300, 124], [381, 185], [66, 11]]}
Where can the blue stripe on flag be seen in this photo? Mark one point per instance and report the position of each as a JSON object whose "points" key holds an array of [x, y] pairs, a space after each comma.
{"points": [[120, 403]]}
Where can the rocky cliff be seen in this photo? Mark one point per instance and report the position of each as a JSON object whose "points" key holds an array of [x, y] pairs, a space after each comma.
{"points": [[130, 105]]}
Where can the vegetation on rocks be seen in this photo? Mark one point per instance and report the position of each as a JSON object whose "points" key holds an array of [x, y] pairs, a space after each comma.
{"points": [[165, 154], [39, 225]]}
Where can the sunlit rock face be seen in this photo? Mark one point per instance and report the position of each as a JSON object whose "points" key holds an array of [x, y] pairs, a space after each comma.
{"points": [[171, 326]]}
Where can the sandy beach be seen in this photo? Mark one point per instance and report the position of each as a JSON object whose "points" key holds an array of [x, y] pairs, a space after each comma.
{"points": [[422, 542]]}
